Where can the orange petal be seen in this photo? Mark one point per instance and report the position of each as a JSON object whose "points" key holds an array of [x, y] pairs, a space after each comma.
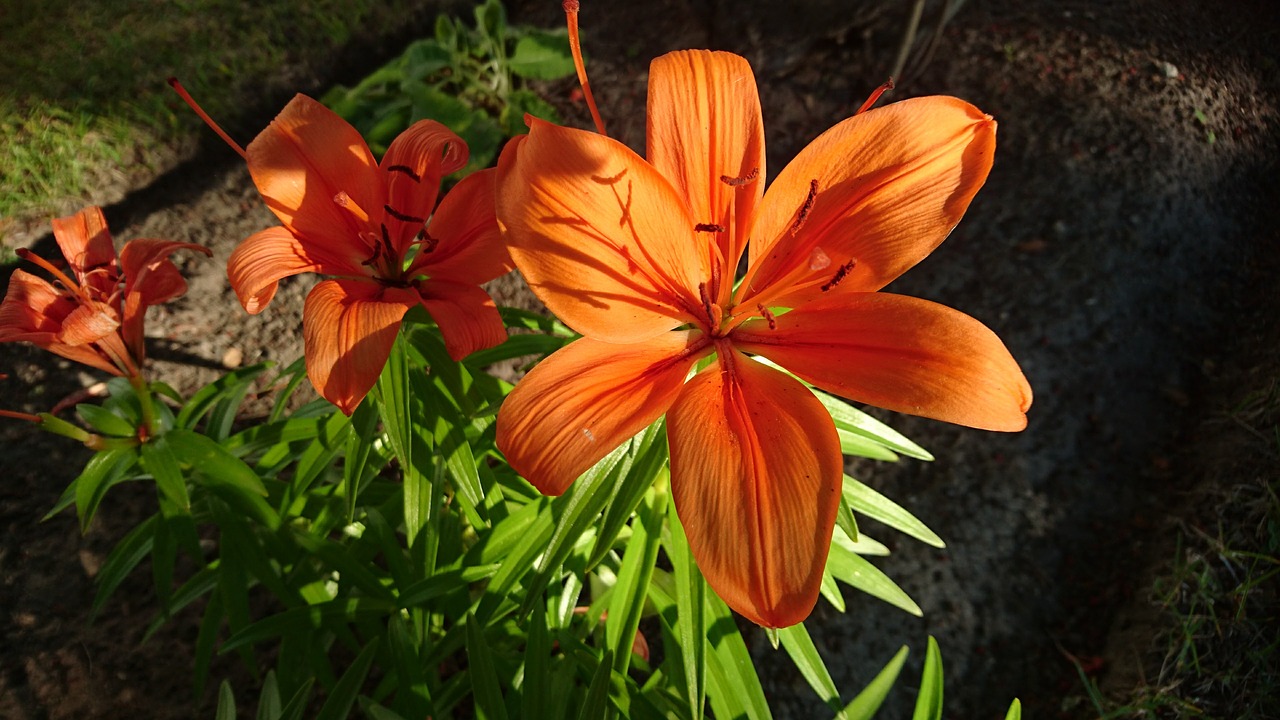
{"points": [[34, 310], [88, 323], [415, 163], [150, 279], [890, 185], [755, 475], [602, 238], [704, 124], [302, 161], [348, 328], [588, 398], [86, 244], [264, 258], [468, 246], [466, 315], [899, 353]]}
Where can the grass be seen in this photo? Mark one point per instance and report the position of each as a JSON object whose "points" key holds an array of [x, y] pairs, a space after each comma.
{"points": [[1220, 596], [84, 107]]}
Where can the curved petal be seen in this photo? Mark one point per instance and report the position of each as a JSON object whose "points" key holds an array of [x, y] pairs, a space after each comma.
{"points": [[755, 475], [264, 258], [348, 328], [899, 353], [706, 136], [33, 311], [415, 163], [466, 315], [150, 279], [588, 398], [86, 244], [880, 190], [465, 244], [302, 163], [602, 238]]}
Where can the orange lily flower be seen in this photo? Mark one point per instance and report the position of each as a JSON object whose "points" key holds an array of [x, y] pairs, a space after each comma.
{"points": [[93, 316], [377, 230], [640, 255]]}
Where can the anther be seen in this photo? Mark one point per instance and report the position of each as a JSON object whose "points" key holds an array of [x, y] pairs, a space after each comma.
{"points": [[706, 303], [840, 275], [708, 227], [403, 217], [406, 170], [803, 213], [768, 316], [742, 180], [427, 243], [875, 95]]}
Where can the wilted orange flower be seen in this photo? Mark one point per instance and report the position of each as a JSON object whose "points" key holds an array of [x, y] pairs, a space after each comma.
{"points": [[640, 255], [94, 315], [376, 229]]}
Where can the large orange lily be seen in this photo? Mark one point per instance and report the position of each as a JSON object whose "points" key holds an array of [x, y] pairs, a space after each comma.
{"points": [[93, 316], [640, 255], [376, 229]]}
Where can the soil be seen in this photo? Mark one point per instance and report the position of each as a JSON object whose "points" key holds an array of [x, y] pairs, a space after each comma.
{"points": [[1134, 188]]}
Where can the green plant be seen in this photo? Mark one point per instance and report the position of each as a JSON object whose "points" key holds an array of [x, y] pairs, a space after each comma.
{"points": [[472, 79]]}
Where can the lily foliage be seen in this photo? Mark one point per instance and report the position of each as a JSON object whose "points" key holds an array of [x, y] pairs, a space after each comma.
{"points": [[435, 541]]}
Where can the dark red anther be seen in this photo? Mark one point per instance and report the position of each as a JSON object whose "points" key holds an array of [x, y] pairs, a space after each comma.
{"points": [[803, 213], [708, 227], [841, 273], [743, 180], [768, 316], [406, 170], [402, 217]]}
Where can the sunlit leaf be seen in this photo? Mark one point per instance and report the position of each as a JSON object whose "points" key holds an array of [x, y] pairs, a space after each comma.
{"points": [[929, 701], [798, 644], [865, 705], [863, 499]]}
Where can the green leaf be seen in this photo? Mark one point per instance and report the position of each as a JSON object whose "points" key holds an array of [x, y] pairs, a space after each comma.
{"points": [[632, 587], [542, 56], [516, 346], [651, 451], [269, 700], [213, 462], [343, 696], [159, 459], [855, 421], [412, 691], [534, 702], [298, 703], [691, 616], [864, 500], [103, 471], [859, 446], [929, 701], [226, 702], [124, 557], [798, 644], [598, 692], [732, 681], [104, 421], [228, 390], [853, 570], [1015, 710], [845, 521], [484, 677], [865, 705]]}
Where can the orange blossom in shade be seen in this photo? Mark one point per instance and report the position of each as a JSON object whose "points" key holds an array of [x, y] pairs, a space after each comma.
{"points": [[93, 314], [639, 255], [377, 231]]}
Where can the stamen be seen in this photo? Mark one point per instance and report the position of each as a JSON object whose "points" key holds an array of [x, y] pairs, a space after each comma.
{"points": [[708, 227], [345, 201], [764, 312], [406, 170], [875, 95], [743, 180], [803, 213], [706, 303], [571, 19], [58, 275], [186, 97], [427, 243], [402, 217], [841, 274]]}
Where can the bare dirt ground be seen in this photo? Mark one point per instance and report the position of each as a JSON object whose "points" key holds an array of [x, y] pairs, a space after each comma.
{"points": [[1133, 192]]}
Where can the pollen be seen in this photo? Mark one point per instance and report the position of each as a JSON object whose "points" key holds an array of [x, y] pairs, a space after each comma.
{"points": [[708, 227], [803, 213], [840, 275], [741, 180]]}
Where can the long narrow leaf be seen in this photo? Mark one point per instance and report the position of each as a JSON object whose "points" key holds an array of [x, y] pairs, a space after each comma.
{"points": [[864, 500], [929, 701], [732, 679], [484, 677], [865, 705], [338, 706], [159, 459], [798, 644], [853, 570], [633, 579]]}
